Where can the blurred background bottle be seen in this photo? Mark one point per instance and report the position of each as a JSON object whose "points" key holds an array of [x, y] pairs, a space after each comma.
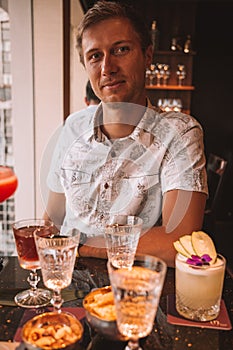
{"points": [[187, 44], [154, 38]]}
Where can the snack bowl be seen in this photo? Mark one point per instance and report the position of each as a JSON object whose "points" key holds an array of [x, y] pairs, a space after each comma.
{"points": [[100, 313], [52, 330]]}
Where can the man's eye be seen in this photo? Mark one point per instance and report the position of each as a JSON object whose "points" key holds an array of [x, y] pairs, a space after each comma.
{"points": [[121, 50], [94, 56]]}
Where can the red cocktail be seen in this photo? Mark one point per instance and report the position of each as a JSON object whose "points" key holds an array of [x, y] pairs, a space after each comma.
{"points": [[25, 244], [8, 182], [28, 258]]}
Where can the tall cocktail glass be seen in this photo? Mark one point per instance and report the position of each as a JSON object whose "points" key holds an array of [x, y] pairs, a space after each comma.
{"points": [[121, 236], [137, 291], [29, 260], [57, 256], [199, 289]]}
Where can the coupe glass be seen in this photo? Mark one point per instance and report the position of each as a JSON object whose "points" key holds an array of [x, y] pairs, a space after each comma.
{"points": [[57, 256], [137, 293], [29, 260], [8, 182]]}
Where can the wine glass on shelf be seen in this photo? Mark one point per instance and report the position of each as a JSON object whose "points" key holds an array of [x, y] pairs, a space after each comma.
{"points": [[177, 105], [166, 73], [28, 259], [159, 73], [57, 256], [137, 291], [152, 74], [181, 73], [8, 182]]}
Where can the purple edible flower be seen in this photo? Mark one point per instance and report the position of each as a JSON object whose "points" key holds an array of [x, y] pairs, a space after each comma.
{"points": [[196, 260]]}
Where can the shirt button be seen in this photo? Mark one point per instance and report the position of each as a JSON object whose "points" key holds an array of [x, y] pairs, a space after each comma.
{"points": [[106, 186]]}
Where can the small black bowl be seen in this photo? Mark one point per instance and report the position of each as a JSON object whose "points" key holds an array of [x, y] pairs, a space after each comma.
{"points": [[101, 325], [37, 336]]}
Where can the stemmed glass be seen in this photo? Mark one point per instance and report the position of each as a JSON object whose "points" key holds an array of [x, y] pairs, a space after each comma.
{"points": [[137, 293], [29, 260], [152, 74], [181, 73], [57, 256], [166, 73], [159, 73]]}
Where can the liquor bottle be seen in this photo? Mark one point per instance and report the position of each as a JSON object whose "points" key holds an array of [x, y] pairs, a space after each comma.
{"points": [[187, 44], [154, 38]]}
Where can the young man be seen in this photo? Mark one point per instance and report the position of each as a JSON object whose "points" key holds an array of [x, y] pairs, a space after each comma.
{"points": [[129, 158]]}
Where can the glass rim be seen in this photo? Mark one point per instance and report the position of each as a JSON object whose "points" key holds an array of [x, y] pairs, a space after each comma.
{"points": [[110, 222], [15, 223], [56, 236]]}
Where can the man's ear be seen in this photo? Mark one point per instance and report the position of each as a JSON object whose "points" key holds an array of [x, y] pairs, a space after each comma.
{"points": [[86, 101]]}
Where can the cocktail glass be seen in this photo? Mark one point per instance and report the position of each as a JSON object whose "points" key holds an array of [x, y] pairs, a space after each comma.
{"points": [[57, 256], [199, 289], [137, 293], [121, 236], [8, 182], [29, 260]]}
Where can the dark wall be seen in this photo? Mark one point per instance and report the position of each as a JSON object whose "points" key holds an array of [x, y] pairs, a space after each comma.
{"points": [[213, 80], [213, 73]]}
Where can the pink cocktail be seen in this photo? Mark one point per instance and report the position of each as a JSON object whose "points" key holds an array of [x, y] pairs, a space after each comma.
{"points": [[8, 182]]}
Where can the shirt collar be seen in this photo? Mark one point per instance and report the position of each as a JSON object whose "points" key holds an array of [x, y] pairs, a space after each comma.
{"points": [[141, 132]]}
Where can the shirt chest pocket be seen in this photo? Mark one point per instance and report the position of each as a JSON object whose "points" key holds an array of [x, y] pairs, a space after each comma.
{"points": [[144, 181], [75, 178]]}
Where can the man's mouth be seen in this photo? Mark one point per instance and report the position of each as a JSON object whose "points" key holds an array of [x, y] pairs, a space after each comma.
{"points": [[112, 84]]}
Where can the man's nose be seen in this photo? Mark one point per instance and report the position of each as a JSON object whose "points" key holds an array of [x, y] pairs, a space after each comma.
{"points": [[109, 65]]}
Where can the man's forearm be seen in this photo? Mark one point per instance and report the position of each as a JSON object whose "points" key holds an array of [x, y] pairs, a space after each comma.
{"points": [[94, 247]]}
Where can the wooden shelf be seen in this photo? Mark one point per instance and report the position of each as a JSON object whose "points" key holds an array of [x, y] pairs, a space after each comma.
{"points": [[170, 87], [174, 53]]}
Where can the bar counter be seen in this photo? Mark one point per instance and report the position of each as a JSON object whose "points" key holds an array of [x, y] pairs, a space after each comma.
{"points": [[91, 273]]}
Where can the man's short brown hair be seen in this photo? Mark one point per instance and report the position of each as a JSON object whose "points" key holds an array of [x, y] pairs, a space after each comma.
{"points": [[103, 10]]}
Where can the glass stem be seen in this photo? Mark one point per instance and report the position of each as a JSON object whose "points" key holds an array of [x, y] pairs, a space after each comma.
{"points": [[57, 301], [33, 279], [133, 344]]}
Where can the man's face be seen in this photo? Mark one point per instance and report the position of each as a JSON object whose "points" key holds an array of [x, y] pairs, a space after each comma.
{"points": [[115, 62]]}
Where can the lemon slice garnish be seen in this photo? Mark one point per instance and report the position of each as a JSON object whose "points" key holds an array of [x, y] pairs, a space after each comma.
{"points": [[203, 244], [186, 242], [180, 249]]}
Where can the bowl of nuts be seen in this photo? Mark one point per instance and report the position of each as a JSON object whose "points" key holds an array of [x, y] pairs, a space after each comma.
{"points": [[101, 314], [52, 330]]}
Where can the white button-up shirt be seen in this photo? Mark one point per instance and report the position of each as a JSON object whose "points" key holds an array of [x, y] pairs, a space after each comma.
{"points": [[130, 175]]}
